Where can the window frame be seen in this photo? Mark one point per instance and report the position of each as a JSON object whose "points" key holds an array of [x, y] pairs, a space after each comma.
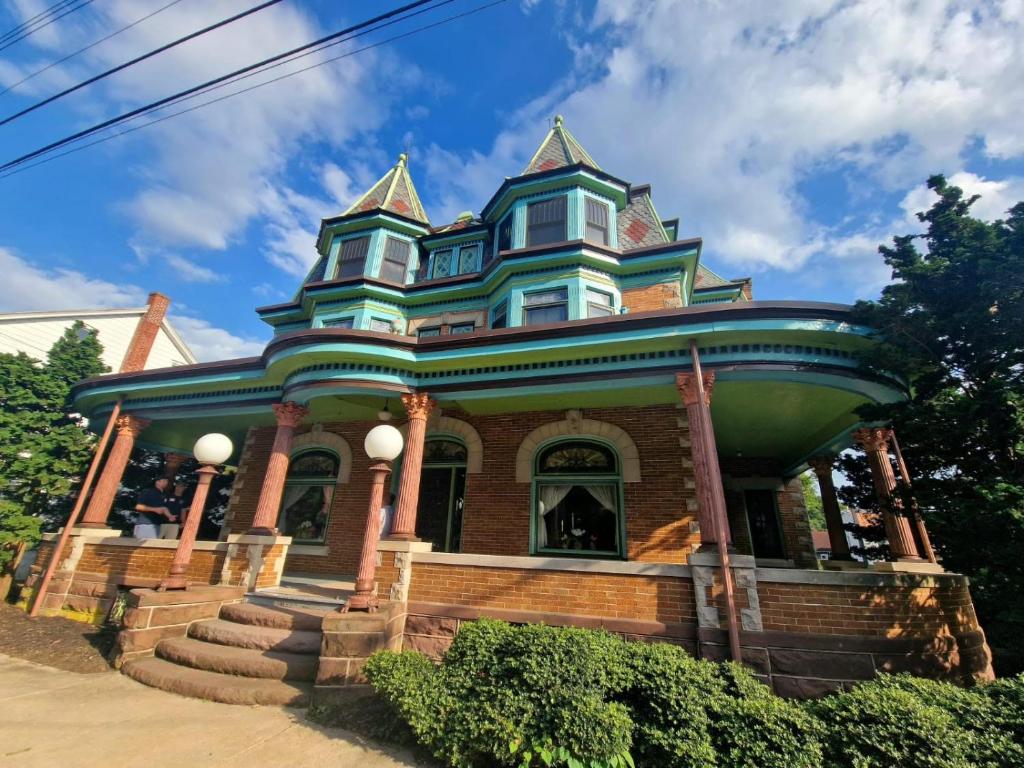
{"points": [[593, 202], [563, 199], [389, 321], [500, 310], [592, 305], [342, 261], [527, 307], [321, 481], [506, 228], [427, 332], [462, 326], [385, 261], [433, 264], [475, 248], [349, 322]]}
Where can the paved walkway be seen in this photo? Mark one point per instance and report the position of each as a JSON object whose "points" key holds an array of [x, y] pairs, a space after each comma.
{"points": [[54, 718]]}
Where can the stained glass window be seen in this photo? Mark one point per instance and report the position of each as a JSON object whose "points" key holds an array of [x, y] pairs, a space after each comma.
{"points": [[467, 258], [443, 263], [444, 452], [577, 458]]}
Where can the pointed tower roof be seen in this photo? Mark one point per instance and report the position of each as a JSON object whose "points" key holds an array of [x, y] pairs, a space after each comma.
{"points": [[395, 193], [559, 148]]}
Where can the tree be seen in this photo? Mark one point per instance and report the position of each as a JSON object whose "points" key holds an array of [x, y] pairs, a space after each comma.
{"points": [[812, 502], [44, 447], [952, 324]]}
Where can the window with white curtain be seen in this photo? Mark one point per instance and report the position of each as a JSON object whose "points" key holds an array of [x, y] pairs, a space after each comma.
{"points": [[307, 497], [577, 487]]}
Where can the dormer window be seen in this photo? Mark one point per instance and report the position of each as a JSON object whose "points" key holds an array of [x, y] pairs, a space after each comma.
{"points": [[468, 258], [546, 221], [505, 234], [597, 221], [443, 263], [353, 257], [396, 260]]}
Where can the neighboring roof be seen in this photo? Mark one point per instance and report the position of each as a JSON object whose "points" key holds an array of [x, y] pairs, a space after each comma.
{"points": [[394, 192], [821, 540], [638, 222], [707, 279], [559, 148], [464, 220]]}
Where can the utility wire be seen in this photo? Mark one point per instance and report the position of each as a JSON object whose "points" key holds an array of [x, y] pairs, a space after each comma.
{"points": [[28, 22], [137, 59], [6, 172], [69, 10], [103, 39], [203, 86]]}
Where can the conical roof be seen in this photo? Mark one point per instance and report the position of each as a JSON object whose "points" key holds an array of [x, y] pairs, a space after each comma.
{"points": [[559, 148], [395, 193]]}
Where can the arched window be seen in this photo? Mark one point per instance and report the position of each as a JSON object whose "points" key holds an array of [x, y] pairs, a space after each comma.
{"points": [[308, 492], [577, 492], [442, 493]]}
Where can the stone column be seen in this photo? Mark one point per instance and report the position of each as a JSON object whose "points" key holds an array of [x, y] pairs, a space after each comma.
{"points": [[875, 442], [172, 463], [822, 466], [418, 407], [686, 383], [128, 428], [289, 415]]}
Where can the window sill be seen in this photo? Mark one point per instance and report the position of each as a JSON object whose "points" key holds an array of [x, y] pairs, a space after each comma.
{"points": [[309, 550]]}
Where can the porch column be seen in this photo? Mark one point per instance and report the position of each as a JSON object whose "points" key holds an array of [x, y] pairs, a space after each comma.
{"points": [[822, 466], [418, 407], [875, 442], [686, 383], [172, 463], [922, 532], [289, 415], [128, 428]]}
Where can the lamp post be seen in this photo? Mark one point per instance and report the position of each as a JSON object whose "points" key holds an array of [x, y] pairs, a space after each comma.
{"points": [[383, 444], [209, 450]]}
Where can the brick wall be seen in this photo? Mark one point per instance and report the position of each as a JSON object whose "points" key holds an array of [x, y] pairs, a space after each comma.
{"points": [[650, 297]]}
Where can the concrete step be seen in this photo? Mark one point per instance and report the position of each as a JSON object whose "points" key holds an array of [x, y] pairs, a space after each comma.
{"points": [[213, 686], [274, 599], [278, 617], [244, 662], [224, 632]]}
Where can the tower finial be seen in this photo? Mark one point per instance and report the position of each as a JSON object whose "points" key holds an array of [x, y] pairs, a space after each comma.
{"points": [[403, 159], [558, 121]]}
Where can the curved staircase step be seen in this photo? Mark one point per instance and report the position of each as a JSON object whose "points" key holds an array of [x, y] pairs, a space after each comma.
{"points": [[245, 662], [213, 686], [224, 632], [278, 617]]}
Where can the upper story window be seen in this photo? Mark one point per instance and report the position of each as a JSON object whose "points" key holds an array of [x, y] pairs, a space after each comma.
{"points": [[599, 304], [597, 221], [424, 333], [443, 263], [380, 325], [546, 307], [396, 260], [467, 258], [546, 221], [353, 256], [500, 317], [461, 328], [505, 234], [339, 322]]}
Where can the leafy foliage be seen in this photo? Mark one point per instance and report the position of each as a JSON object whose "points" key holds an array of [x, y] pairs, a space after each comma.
{"points": [[952, 323], [812, 502], [44, 447]]}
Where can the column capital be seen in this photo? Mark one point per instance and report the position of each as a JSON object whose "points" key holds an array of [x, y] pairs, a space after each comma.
{"points": [[418, 406], [130, 425], [822, 465], [289, 414], [686, 383], [873, 438]]}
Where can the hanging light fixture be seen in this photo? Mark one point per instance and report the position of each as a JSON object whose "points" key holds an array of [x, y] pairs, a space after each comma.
{"points": [[384, 414]]}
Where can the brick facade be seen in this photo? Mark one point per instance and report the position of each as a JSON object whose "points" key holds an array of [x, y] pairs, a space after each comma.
{"points": [[650, 297]]}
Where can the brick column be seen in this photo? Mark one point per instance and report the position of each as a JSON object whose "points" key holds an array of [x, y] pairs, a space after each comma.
{"points": [[686, 383], [128, 428], [418, 407], [875, 442], [289, 416], [145, 333], [172, 463], [822, 466]]}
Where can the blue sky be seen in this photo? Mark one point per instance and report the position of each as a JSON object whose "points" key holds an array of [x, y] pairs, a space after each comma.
{"points": [[793, 136]]}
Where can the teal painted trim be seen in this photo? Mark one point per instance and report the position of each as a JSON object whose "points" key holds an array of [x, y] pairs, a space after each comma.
{"points": [[574, 213], [331, 268], [580, 178], [380, 220], [613, 220], [375, 255], [519, 226]]}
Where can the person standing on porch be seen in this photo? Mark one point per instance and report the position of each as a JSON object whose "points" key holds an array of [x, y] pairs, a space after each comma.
{"points": [[154, 512], [387, 516], [175, 503]]}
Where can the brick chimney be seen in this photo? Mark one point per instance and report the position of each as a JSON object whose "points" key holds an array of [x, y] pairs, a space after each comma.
{"points": [[145, 333]]}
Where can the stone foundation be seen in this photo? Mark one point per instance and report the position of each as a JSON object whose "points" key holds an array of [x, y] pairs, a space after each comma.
{"points": [[349, 639]]}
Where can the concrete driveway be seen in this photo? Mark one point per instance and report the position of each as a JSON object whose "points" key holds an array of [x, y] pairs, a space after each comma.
{"points": [[55, 718]]}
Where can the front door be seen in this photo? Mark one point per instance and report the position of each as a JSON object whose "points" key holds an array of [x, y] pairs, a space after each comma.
{"points": [[763, 522], [442, 495]]}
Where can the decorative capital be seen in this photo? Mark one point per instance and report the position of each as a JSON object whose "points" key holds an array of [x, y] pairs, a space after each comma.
{"points": [[686, 383], [130, 425], [873, 439], [418, 406], [289, 414], [822, 465], [172, 461]]}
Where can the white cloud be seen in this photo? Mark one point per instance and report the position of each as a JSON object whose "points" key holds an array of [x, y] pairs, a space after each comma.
{"points": [[997, 196], [191, 272], [209, 342], [727, 107], [26, 288]]}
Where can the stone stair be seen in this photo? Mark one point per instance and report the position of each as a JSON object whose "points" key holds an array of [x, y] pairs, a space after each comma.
{"points": [[250, 654]]}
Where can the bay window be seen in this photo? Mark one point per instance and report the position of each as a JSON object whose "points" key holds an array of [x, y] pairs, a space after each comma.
{"points": [[546, 221], [544, 307]]}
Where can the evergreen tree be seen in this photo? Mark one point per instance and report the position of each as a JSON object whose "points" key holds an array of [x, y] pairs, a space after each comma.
{"points": [[952, 324]]}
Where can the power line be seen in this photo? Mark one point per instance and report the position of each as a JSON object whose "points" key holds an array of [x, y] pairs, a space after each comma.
{"points": [[69, 10], [203, 86], [103, 39], [28, 22], [137, 59], [4, 173]]}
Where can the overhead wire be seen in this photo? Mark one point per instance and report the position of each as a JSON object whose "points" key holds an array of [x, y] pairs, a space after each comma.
{"points": [[8, 43], [28, 22], [93, 44], [138, 59], [204, 86], [5, 173]]}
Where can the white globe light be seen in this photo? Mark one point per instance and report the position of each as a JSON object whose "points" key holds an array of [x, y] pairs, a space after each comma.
{"points": [[213, 448], [383, 443]]}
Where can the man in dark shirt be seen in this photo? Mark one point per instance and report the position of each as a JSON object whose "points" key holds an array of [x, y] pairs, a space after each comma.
{"points": [[178, 508], [153, 511]]}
